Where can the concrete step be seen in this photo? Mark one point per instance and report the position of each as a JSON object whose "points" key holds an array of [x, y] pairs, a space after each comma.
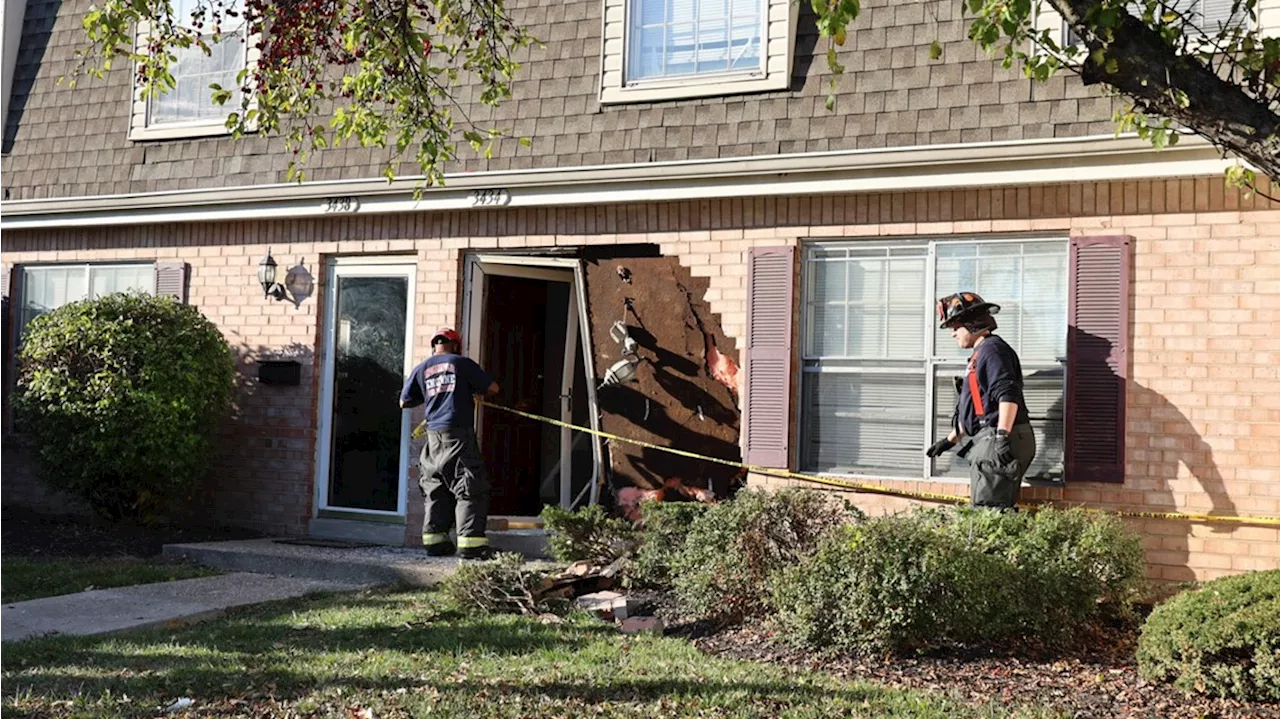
{"points": [[359, 564], [352, 563], [532, 543]]}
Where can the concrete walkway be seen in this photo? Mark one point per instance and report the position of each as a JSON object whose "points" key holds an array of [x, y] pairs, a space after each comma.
{"points": [[100, 611], [260, 570]]}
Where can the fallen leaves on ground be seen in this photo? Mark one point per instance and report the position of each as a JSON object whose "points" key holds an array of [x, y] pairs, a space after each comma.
{"points": [[1101, 682]]}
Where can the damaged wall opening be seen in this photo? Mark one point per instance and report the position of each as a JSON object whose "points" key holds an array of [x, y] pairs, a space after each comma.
{"points": [[550, 329]]}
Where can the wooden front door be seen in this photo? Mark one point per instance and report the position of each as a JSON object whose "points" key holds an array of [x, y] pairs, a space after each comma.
{"points": [[515, 317]]}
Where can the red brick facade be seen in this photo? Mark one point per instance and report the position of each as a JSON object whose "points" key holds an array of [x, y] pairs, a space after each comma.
{"points": [[1203, 396]]}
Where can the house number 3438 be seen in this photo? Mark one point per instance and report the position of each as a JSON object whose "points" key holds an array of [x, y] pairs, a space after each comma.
{"points": [[341, 204]]}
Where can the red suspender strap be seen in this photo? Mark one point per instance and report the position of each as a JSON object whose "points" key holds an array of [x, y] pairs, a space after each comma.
{"points": [[973, 386]]}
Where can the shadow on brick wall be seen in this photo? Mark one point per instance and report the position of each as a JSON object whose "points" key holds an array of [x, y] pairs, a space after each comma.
{"points": [[261, 476], [1177, 443]]}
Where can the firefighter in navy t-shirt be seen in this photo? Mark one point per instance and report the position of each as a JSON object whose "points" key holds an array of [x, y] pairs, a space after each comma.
{"points": [[451, 472], [991, 409]]}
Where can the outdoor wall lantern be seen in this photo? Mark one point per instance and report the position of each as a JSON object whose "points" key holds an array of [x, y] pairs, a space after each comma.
{"points": [[297, 286], [267, 278]]}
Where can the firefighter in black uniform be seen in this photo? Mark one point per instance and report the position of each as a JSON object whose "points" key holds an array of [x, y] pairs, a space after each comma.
{"points": [[991, 412]]}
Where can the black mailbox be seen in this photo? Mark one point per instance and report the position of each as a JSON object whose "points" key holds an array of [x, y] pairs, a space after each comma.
{"points": [[280, 372]]}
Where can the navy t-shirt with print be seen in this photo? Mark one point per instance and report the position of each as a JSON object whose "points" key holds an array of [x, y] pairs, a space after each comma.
{"points": [[445, 384]]}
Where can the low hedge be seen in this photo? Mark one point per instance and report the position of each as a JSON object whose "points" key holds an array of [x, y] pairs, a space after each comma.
{"points": [[666, 528], [943, 578], [587, 534], [1222, 639], [732, 549]]}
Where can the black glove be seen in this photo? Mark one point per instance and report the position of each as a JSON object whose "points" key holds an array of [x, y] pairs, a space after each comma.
{"points": [[939, 447], [1004, 450]]}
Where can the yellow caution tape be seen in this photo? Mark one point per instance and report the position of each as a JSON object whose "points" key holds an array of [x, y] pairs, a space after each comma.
{"points": [[861, 486]]}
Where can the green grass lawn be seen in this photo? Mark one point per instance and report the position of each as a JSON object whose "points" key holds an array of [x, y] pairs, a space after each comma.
{"points": [[404, 654], [23, 578]]}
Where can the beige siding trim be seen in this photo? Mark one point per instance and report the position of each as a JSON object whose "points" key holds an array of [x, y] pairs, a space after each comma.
{"points": [[1047, 18], [779, 44], [140, 130], [1269, 17], [10, 37]]}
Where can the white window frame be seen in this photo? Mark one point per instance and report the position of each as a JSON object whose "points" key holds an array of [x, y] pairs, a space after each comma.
{"points": [[930, 364], [88, 269], [777, 57], [142, 128]]}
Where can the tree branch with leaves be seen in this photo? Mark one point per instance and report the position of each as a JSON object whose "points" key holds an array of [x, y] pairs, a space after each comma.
{"points": [[381, 73], [1179, 73]]}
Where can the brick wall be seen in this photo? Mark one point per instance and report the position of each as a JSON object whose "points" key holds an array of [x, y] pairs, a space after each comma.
{"points": [[1204, 395]]}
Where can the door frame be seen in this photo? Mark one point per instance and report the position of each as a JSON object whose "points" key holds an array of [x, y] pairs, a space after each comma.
{"points": [[376, 266], [554, 269]]}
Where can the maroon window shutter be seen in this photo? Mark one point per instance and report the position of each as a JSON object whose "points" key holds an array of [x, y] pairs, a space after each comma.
{"points": [[1097, 358], [9, 320], [171, 280], [770, 284]]}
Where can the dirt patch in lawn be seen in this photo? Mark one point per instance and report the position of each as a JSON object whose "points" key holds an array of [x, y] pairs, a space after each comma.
{"points": [[44, 536], [1096, 682]]}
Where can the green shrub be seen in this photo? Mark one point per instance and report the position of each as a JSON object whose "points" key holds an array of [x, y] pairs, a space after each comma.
{"points": [[505, 585], [122, 397], [587, 534], [1222, 639], [1072, 566], [733, 548], [666, 526], [889, 585], [940, 578]]}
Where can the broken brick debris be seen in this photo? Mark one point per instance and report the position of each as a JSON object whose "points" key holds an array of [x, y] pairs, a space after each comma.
{"points": [[608, 605], [630, 498], [642, 625]]}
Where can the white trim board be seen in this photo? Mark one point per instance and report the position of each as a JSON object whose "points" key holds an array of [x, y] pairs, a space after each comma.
{"points": [[554, 269], [398, 266], [12, 13], [962, 166], [1127, 145]]}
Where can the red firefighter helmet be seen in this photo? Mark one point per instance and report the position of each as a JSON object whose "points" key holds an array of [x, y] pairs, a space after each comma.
{"points": [[963, 306], [446, 333]]}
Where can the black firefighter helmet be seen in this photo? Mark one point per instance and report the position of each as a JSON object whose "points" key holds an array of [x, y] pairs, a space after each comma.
{"points": [[963, 306]]}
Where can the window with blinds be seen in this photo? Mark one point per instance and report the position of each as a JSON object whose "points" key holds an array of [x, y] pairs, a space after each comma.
{"points": [[46, 288], [191, 100], [1202, 16], [879, 377], [683, 38]]}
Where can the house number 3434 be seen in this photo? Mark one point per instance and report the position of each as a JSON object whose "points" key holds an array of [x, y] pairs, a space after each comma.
{"points": [[341, 204], [490, 198]]}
